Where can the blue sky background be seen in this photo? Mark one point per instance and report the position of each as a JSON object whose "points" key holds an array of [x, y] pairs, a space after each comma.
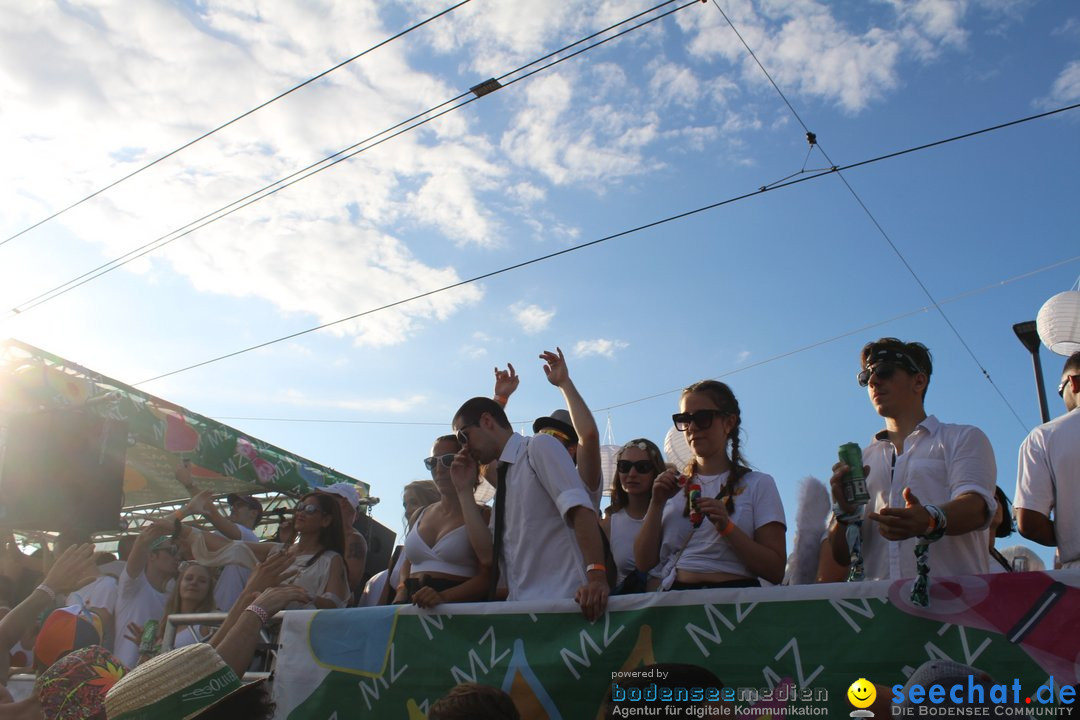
{"points": [[669, 118]]}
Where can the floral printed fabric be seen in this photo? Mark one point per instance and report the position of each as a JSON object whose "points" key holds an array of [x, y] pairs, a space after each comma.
{"points": [[74, 687]]}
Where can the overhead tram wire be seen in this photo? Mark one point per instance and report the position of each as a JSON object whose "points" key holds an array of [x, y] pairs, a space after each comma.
{"points": [[727, 373], [812, 138], [656, 223], [255, 109], [342, 155]]}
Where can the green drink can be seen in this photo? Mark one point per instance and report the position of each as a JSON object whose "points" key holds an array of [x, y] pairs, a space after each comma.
{"points": [[855, 491]]}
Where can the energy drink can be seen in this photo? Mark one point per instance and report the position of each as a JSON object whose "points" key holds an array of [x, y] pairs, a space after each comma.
{"points": [[148, 639], [855, 491]]}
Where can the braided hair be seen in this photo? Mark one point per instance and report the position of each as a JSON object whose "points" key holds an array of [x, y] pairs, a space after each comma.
{"points": [[725, 401]]}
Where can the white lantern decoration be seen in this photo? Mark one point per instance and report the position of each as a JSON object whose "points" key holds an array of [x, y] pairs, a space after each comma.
{"points": [[1059, 322], [676, 450], [607, 465]]}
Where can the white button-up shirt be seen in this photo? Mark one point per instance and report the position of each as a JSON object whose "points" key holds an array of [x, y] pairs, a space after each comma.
{"points": [[1049, 478], [940, 462], [541, 556]]}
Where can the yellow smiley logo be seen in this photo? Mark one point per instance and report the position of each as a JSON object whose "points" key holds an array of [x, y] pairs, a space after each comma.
{"points": [[862, 693]]}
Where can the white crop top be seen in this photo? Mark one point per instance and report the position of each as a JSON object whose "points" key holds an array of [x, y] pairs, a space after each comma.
{"points": [[451, 555]]}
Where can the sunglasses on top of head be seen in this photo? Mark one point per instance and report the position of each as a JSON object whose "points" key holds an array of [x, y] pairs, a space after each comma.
{"points": [[432, 462], [642, 466], [702, 418]]}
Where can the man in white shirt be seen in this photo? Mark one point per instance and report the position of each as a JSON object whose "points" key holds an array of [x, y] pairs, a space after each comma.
{"points": [[1049, 475], [143, 589], [245, 512], [927, 480], [551, 539]]}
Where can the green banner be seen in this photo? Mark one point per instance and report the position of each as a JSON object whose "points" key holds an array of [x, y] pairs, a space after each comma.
{"points": [[784, 651], [161, 433]]}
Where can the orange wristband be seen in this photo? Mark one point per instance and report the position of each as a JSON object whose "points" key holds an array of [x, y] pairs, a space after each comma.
{"points": [[501, 399], [596, 566], [728, 529]]}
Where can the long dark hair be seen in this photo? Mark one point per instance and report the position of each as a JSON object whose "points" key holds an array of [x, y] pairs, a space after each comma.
{"points": [[332, 536], [725, 401], [619, 497]]}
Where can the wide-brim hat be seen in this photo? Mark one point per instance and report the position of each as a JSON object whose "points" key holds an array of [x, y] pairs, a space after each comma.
{"points": [[74, 687], [558, 420], [177, 685]]}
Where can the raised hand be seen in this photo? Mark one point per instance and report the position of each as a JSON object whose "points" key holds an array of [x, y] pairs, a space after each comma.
{"points": [[555, 367], [506, 381]]}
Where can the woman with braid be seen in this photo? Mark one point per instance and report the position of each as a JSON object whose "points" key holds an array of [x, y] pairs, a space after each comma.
{"points": [[720, 524]]}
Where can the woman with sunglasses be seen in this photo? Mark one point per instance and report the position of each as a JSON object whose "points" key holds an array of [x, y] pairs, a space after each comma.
{"points": [[637, 464], [441, 560], [318, 553], [719, 524]]}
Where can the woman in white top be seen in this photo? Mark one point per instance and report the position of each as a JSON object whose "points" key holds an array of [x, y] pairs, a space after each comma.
{"points": [[192, 593], [318, 553], [740, 525], [637, 465], [441, 564]]}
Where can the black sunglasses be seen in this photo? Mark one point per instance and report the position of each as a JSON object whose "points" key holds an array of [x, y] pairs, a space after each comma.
{"points": [[642, 466], [884, 364], [702, 418], [1061, 387], [309, 508], [432, 462]]}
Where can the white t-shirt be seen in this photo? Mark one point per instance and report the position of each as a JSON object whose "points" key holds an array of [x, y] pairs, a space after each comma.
{"points": [[137, 601], [98, 593], [1049, 479], [757, 503], [541, 557]]}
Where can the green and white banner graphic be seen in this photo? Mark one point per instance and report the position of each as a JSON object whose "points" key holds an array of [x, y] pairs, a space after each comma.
{"points": [[785, 651]]}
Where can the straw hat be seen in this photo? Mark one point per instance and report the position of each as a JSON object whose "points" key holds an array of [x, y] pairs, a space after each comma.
{"points": [[174, 686]]}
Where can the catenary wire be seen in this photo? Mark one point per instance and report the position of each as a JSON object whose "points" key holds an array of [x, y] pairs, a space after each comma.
{"points": [[224, 125], [727, 373], [639, 228], [877, 225], [332, 160]]}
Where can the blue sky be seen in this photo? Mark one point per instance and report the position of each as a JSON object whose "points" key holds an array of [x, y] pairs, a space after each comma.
{"points": [[669, 118]]}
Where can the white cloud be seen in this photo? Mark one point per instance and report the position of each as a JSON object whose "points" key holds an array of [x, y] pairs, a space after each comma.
{"points": [[396, 405], [600, 346], [532, 318], [743, 356], [1066, 87]]}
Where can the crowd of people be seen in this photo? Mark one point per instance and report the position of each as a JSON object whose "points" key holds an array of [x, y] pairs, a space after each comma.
{"points": [[714, 523]]}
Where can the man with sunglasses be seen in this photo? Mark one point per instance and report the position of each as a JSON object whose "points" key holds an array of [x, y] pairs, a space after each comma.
{"points": [[143, 588], [928, 481], [1049, 475], [551, 545]]}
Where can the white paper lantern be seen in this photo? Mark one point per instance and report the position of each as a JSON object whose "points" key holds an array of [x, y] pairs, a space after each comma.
{"points": [[1059, 322], [607, 465], [676, 451]]}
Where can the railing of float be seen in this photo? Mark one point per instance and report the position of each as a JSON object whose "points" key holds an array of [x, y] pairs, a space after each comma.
{"points": [[784, 651]]}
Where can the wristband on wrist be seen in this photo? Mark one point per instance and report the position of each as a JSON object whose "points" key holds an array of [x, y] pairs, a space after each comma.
{"points": [[935, 530], [728, 529], [501, 399], [47, 590], [600, 567], [264, 617]]}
